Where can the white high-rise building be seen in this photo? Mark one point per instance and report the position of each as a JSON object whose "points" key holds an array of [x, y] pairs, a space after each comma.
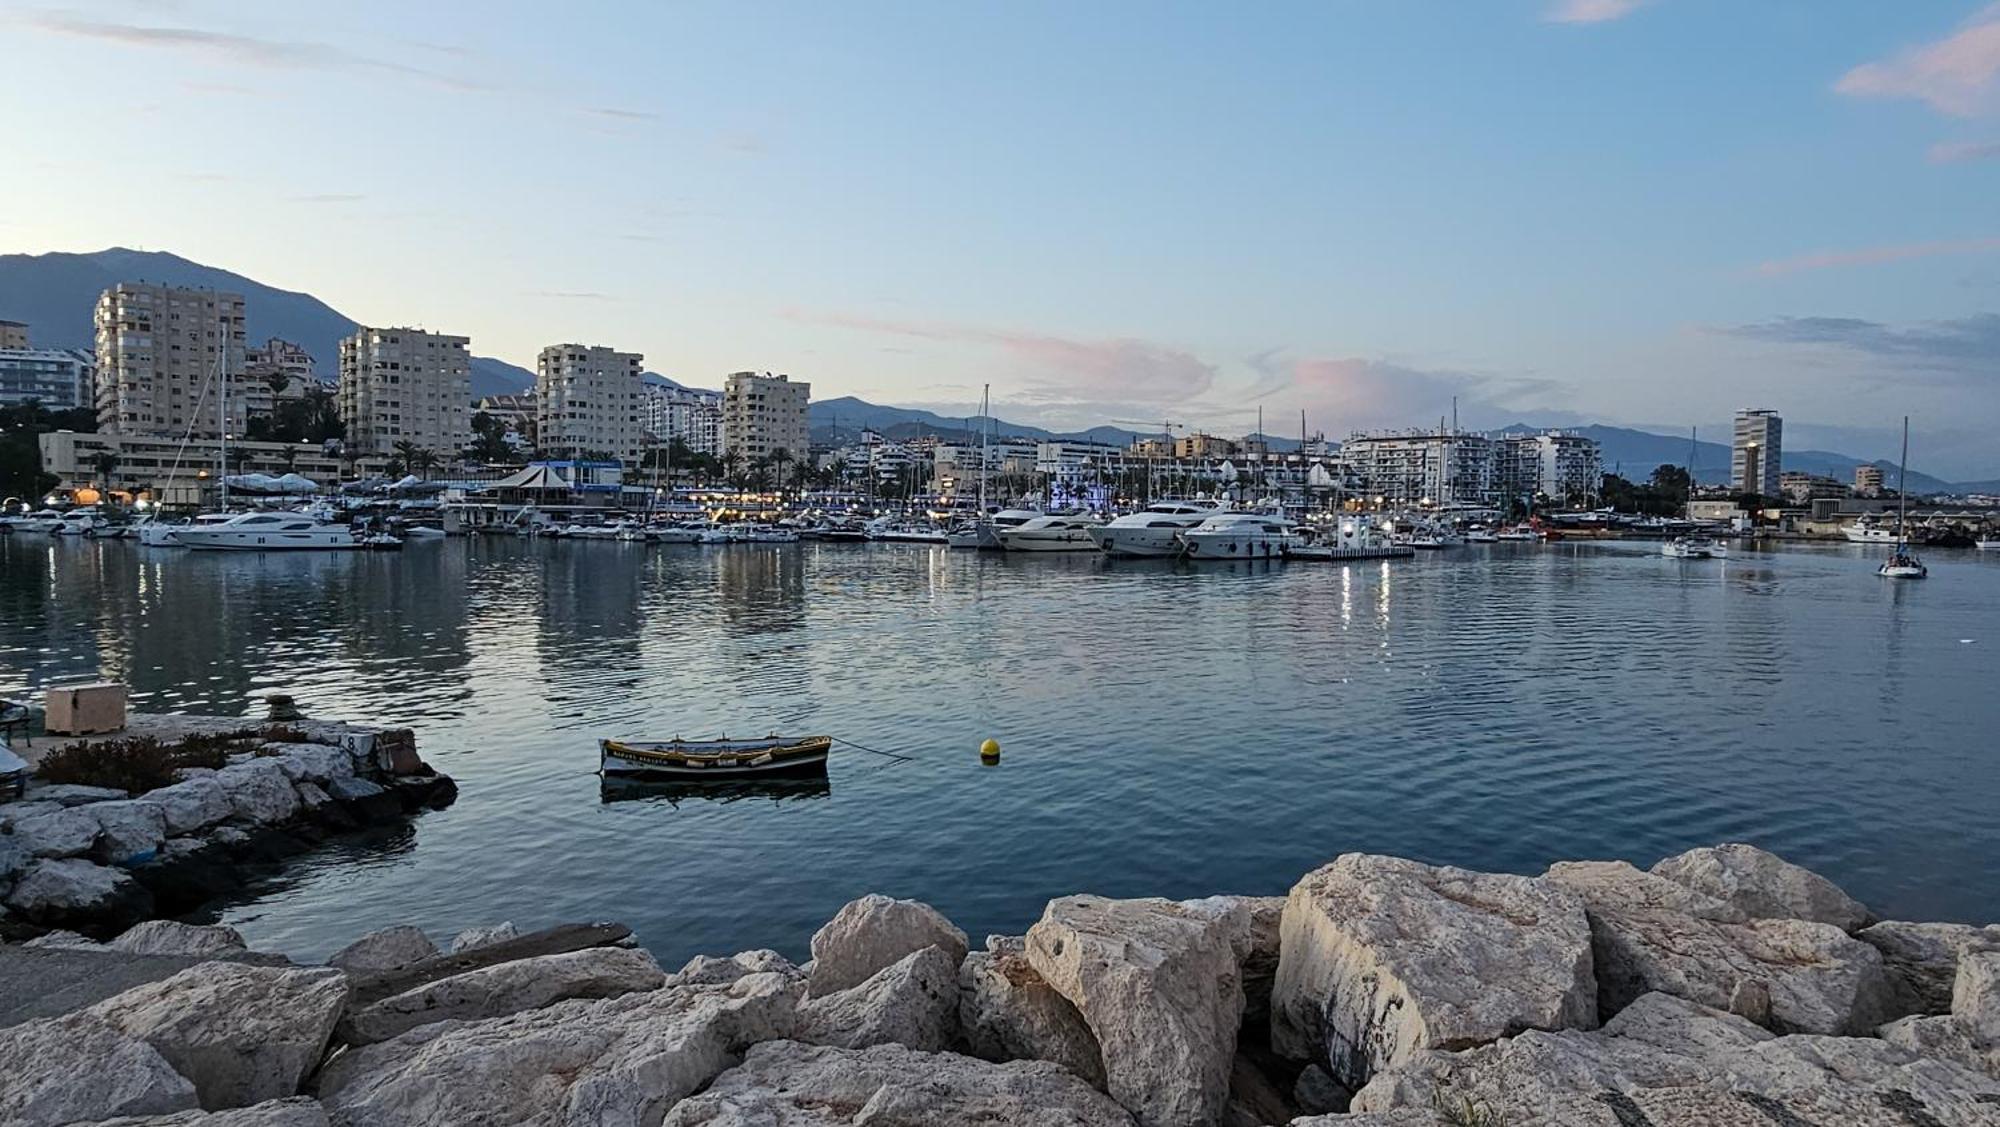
{"points": [[1757, 455], [763, 413], [406, 385], [1424, 467], [692, 415], [159, 350], [587, 402], [1552, 464], [274, 372], [59, 379]]}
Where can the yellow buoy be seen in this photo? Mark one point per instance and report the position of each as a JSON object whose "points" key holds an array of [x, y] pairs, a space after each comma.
{"points": [[990, 751]]}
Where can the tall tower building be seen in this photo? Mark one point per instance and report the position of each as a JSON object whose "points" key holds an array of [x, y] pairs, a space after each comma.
{"points": [[406, 385], [588, 400], [1757, 455], [160, 350], [762, 413]]}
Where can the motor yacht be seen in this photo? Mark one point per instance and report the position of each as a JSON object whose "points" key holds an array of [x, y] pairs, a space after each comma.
{"points": [[1050, 532], [42, 520], [266, 532], [1154, 530], [1868, 532], [990, 529], [1691, 548], [1239, 536]]}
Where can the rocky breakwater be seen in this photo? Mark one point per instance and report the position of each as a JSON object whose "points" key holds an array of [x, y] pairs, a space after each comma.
{"points": [[169, 837], [1722, 987]]}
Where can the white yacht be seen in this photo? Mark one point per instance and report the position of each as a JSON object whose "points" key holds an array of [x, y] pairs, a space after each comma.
{"points": [[77, 522], [264, 532], [1691, 548], [1988, 543], [1154, 530], [990, 529], [42, 520], [1059, 532], [1239, 536], [1868, 532]]}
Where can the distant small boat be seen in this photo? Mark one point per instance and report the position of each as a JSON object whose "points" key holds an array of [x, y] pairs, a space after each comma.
{"points": [[1988, 543], [715, 759]]}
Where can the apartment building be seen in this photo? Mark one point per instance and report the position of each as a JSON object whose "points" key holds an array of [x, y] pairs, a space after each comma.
{"points": [[274, 372], [163, 355], [763, 413], [588, 402], [13, 334], [57, 378], [406, 385], [177, 473], [692, 415], [1757, 455]]}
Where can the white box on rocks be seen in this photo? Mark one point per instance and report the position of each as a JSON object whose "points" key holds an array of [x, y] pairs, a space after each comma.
{"points": [[80, 710]]}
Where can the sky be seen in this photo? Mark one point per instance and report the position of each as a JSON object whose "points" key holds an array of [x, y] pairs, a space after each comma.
{"points": [[1639, 212]]}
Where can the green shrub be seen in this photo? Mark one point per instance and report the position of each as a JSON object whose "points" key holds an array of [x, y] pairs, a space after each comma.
{"points": [[134, 764]]}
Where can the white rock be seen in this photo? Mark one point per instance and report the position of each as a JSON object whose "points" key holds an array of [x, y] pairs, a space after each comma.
{"points": [[1764, 885], [788, 1084], [61, 832], [1921, 959], [14, 813], [243, 1034], [64, 940], [75, 794], [387, 949], [473, 938], [311, 798], [192, 804], [61, 889], [507, 988], [712, 970], [131, 830], [1257, 946], [1976, 996], [875, 932], [912, 1003], [1160, 986], [78, 1069], [14, 860], [1794, 976], [311, 763], [167, 937], [1947, 1038], [1383, 957], [1008, 1012], [299, 1111], [621, 1062], [259, 791]]}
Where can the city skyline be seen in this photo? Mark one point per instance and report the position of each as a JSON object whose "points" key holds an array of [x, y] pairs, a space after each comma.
{"points": [[1641, 214]]}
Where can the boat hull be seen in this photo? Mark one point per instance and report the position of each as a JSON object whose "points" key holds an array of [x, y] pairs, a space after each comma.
{"points": [[1059, 540], [694, 759], [207, 540], [1140, 542]]}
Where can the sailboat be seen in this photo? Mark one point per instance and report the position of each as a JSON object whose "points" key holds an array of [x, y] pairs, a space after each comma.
{"points": [[1903, 564], [156, 532], [974, 533], [1695, 546]]}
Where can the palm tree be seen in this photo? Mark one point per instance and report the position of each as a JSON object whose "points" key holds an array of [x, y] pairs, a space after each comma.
{"points": [[780, 459], [407, 453], [106, 464], [424, 461]]}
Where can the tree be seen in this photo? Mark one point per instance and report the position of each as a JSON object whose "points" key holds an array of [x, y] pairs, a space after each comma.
{"points": [[489, 439], [407, 453], [106, 464], [781, 460], [1671, 479]]}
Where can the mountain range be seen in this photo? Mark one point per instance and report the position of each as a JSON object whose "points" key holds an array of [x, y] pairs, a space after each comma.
{"points": [[56, 293]]}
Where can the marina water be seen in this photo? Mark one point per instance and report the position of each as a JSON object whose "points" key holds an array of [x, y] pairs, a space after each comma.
{"points": [[1167, 729]]}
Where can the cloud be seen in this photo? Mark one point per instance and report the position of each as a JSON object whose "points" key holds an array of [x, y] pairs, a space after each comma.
{"points": [[1871, 256], [243, 49], [329, 197], [1958, 152], [1356, 393], [1966, 349], [622, 114], [1590, 11], [1958, 75]]}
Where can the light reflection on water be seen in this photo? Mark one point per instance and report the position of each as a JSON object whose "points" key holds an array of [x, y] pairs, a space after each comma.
{"points": [[1167, 730]]}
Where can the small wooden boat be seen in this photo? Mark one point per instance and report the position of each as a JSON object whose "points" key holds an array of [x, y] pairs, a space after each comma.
{"points": [[716, 759]]}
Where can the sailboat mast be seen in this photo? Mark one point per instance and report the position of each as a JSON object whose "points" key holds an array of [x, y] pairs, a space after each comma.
{"points": [[1903, 484], [1687, 506], [222, 407], [985, 427]]}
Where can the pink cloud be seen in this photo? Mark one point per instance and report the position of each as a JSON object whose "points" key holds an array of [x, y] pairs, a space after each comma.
{"points": [[1957, 75], [1591, 11], [1872, 256], [1356, 393], [1958, 152]]}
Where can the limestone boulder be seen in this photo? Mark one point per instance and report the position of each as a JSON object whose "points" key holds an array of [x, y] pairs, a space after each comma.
{"points": [[192, 805], [58, 832], [1316, 1093], [130, 830], [619, 1062], [1976, 995], [1160, 986], [167, 937], [713, 970], [1257, 945], [475, 937], [1383, 957], [1947, 1038], [259, 791], [299, 1111], [72, 892], [1921, 959], [876, 932], [75, 794], [242, 1034], [1649, 933], [78, 1068], [913, 1002], [387, 949], [1670, 1063], [14, 813], [1764, 885], [1007, 1011], [797, 1085], [506, 988], [14, 860], [310, 763], [63, 940]]}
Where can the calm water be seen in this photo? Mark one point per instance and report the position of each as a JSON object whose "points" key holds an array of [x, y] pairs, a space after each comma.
{"points": [[1167, 730]]}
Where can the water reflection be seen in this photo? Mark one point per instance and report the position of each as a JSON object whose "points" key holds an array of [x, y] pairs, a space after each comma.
{"points": [[673, 793]]}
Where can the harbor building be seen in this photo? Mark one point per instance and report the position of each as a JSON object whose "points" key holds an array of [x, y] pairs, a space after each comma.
{"points": [[159, 351], [58, 378], [178, 473], [762, 413], [587, 402], [406, 385], [1867, 481], [1418, 467], [1757, 456], [1562, 467], [274, 372], [692, 415], [13, 334], [1196, 447], [1804, 488]]}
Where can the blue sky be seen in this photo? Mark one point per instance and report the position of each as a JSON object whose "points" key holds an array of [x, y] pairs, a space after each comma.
{"points": [[1589, 210]]}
